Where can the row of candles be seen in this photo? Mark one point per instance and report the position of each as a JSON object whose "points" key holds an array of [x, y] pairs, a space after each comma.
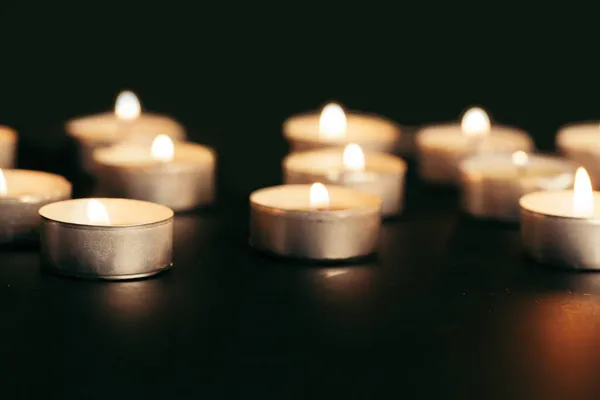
{"points": [[341, 178]]}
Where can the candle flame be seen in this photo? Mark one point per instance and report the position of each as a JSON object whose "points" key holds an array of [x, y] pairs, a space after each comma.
{"points": [[353, 158], [3, 187], [319, 196], [163, 148], [520, 158], [475, 122], [96, 213], [333, 121], [583, 198], [127, 106]]}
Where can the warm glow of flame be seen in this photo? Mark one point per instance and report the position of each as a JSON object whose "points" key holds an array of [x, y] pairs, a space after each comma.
{"points": [[3, 187], [583, 198], [353, 158], [127, 106], [520, 158], [319, 197], [163, 148], [96, 213], [475, 122], [333, 121]]}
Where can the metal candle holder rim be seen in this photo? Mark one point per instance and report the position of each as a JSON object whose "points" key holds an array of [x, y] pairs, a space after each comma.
{"points": [[537, 214]]}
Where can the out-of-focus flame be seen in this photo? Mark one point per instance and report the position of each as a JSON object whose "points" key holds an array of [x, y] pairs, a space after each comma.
{"points": [[163, 148], [353, 158], [475, 122], [96, 213], [127, 106], [583, 197], [520, 158], [3, 187], [333, 121], [319, 196]]}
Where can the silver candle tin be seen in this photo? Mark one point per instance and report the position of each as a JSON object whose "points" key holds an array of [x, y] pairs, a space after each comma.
{"points": [[19, 220], [8, 146], [497, 197], [295, 231], [558, 240], [114, 252], [384, 174]]}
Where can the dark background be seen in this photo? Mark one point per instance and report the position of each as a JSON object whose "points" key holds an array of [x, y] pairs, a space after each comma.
{"points": [[449, 309]]}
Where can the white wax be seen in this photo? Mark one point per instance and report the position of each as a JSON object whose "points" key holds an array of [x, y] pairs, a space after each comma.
{"points": [[7, 135], [24, 184], [297, 198], [369, 131], [558, 204], [107, 127], [133, 155], [122, 212], [583, 136]]}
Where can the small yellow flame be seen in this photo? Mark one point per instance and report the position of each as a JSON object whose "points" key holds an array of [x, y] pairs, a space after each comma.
{"points": [[3, 187], [475, 122], [319, 196], [583, 197], [520, 158], [127, 106], [333, 121], [353, 158], [163, 148], [96, 213]]}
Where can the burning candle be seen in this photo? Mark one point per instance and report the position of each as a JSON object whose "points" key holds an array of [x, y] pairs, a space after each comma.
{"points": [[8, 147], [440, 148], [126, 123], [314, 221], [22, 193], [178, 175], [106, 238], [563, 228], [335, 128], [492, 184], [579, 142], [377, 173]]}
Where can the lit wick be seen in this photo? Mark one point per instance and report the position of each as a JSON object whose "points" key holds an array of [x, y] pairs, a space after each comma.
{"points": [[475, 125], [521, 161]]}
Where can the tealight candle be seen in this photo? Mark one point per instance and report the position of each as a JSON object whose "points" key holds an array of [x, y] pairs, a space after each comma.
{"points": [[127, 123], [563, 228], [492, 184], [22, 193], [377, 173], [314, 222], [335, 128], [106, 238], [8, 147], [440, 148], [179, 176], [579, 142]]}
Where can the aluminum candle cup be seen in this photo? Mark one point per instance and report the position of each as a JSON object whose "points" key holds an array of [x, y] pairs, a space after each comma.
{"points": [[286, 221], [22, 193], [106, 238], [441, 148], [334, 128], [579, 142], [493, 184], [563, 228], [179, 176], [8, 147], [377, 173], [127, 124]]}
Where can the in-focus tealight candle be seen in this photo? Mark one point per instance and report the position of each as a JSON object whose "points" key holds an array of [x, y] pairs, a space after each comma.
{"points": [[127, 123], [492, 184], [441, 148], [314, 221], [334, 127], [581, 143], [103, 238], [22, 193], [563, 228], [378, 173], [8, 147], [179, 175]]}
